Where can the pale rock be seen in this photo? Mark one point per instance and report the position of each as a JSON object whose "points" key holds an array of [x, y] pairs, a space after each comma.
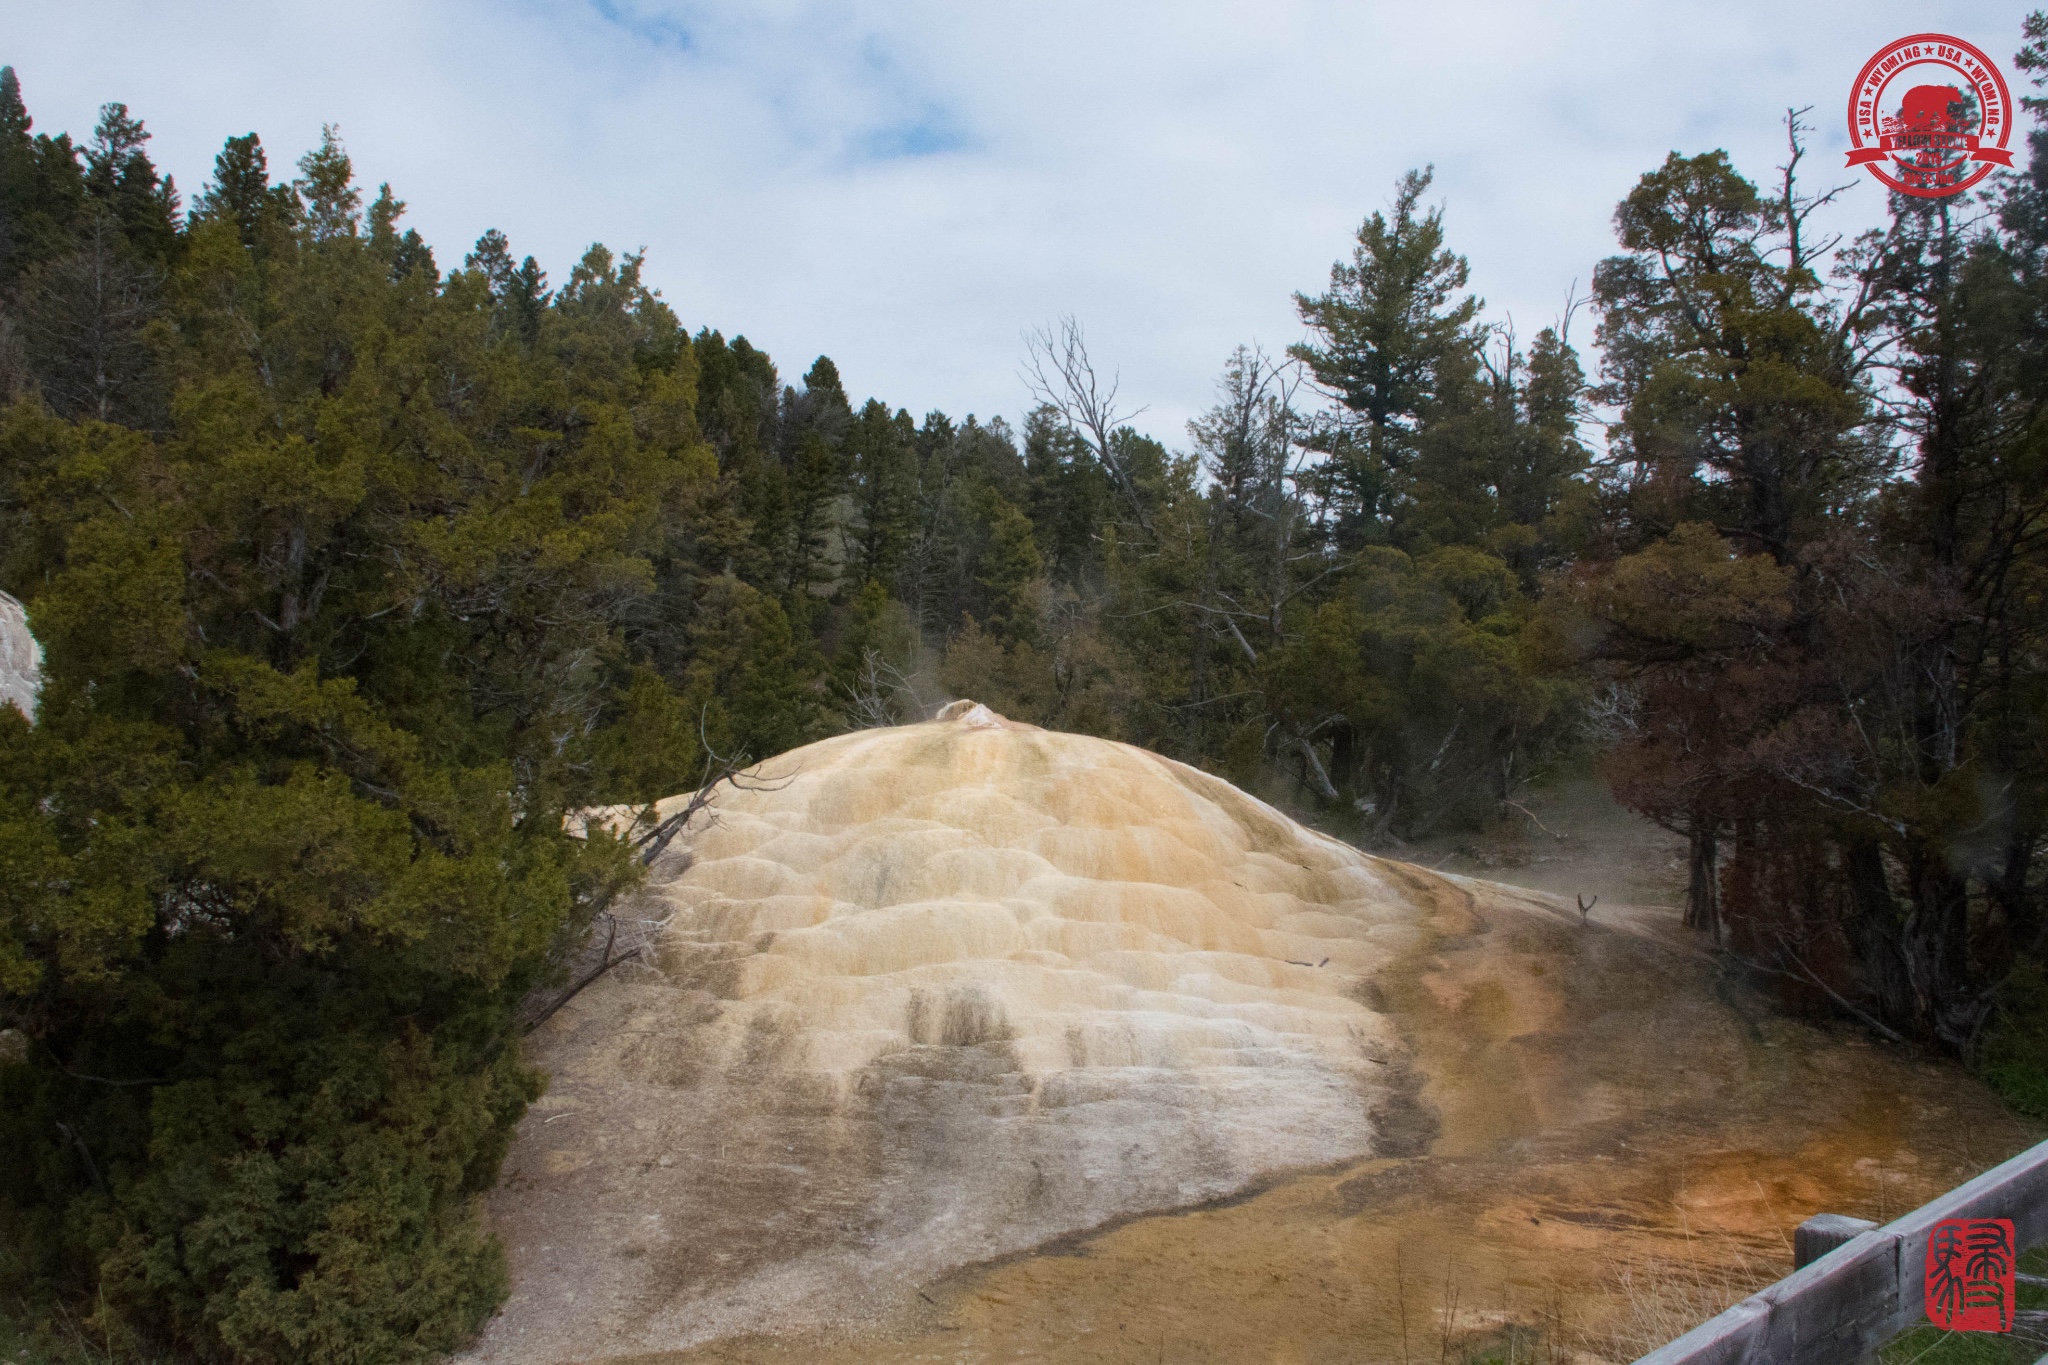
{"points": [[21, 659], [926, 995]]}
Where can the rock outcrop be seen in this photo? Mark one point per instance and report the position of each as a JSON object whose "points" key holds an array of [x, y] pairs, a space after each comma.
{"points": [[21, 658]]}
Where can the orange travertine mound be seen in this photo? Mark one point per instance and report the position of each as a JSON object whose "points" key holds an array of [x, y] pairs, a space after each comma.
{"points": [[934, 994]]}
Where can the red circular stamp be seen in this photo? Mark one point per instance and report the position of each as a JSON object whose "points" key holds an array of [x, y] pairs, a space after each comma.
{"points": [[1930, 116]]}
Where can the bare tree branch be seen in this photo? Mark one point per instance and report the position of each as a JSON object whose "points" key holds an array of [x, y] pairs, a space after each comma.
{"points": [[870, 697], [605, 963], [649, 844], [1807, 974], [1060, 374]]}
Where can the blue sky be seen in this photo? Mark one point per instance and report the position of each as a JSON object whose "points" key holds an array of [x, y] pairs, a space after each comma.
{"points": [[907, 187]]}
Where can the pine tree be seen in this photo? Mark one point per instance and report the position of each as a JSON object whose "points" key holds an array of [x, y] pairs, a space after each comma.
{"points": [[1007, 569], [121, 179], [519, 292], [813, 486], [1066, 496], [327, 188], [823, 405], [241, 192], [492, 257], [42, 188], [1390, 332], [407, 252], [1501, 459], [17, 171], [879, 450], [750, 673], [1743, 397]]}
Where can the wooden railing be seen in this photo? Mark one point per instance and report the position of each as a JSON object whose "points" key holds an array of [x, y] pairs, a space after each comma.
{"points": [[1840, 1308]]}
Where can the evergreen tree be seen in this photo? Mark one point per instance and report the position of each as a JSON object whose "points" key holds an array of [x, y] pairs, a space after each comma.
{"points": [[355, 581], [1499, 465], [879, 450], [813, 487], [1006, 569], [826, 405], [241, 193], [1826, 676], [82, 316], [325, 668], [492, 258], [750, 672], [1741, 387], [327, 189], [42, 188], [1067, 496], [120, 178], [1390, 333], [407, 252]]}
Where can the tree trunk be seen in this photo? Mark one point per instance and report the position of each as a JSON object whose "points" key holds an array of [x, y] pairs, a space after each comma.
{"points": [[1873, 932], [1950, 1006], [1314, 765], [1344, 755], [2025, 927], [1703, 880]]}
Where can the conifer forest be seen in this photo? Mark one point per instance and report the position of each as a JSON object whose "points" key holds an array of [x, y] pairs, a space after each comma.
{"points": [[361, 563]]}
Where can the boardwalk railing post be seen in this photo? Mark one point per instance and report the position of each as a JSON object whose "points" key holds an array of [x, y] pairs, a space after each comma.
{"points": [[1822, 1233]]}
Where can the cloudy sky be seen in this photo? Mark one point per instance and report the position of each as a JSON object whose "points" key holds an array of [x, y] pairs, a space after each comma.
{"points": [[907, 186]]}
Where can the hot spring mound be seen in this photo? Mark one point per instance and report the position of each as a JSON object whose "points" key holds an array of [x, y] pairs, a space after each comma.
{"points": [[930, 995]]}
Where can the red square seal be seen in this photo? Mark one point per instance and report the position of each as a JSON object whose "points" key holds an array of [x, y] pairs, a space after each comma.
{"points": [[1970, 1264]]}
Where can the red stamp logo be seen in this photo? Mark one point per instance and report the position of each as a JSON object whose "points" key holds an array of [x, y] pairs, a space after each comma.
{"points": [[1970, 1264], [1930, 116]]}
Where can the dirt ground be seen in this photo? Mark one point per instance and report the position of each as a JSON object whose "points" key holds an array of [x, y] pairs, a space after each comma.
{"points": [[1604, 1141]]}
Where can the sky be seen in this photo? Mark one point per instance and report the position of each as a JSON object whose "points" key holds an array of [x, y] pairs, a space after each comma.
{"points": [[907, 187]]}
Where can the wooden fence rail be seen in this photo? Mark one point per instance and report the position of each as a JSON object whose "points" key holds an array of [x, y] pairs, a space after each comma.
{"points": [[1857, 1297]]}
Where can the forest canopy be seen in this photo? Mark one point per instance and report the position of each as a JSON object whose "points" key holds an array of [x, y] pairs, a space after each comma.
{"points": [[359, 570]]}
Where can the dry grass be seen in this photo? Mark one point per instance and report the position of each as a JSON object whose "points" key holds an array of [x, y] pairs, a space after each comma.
{"points": [[1661, 1300]]}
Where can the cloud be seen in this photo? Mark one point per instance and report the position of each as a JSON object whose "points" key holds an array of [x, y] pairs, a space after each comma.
{"points": [[648, 26], [906, 187]]}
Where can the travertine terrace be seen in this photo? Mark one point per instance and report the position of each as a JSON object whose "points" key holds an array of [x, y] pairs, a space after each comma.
{"points": [[933, 994]]}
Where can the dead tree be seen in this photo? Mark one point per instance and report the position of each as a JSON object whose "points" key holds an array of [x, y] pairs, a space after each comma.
{"points": [[871, 698], [1250, 447], [1060, 375]]}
